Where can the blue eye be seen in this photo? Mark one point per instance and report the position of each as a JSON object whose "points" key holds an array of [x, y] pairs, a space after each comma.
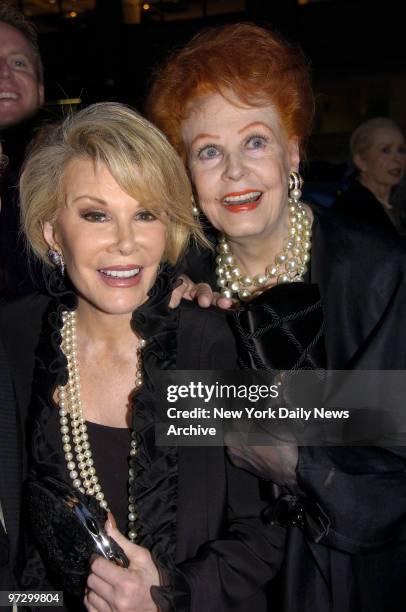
{"points": [[94, 216], [256, 142], [208, 152], [145, 215]]}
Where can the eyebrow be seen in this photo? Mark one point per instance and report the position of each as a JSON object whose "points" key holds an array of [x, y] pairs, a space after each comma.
{"points": [[246, 127], [89, 197], [203, 135], [254, 124]]}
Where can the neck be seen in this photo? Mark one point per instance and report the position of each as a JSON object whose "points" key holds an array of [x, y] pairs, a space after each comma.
{"points": [[99, 328], [254, 253], [380, 191]]}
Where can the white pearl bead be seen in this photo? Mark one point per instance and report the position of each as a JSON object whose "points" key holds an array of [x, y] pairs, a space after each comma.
{"points": [[260, 279], [226, 293], [272, 270], [244, 294], [229, 260]]}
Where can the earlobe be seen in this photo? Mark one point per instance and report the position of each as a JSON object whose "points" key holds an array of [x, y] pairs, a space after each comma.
{"points": [[41, 93], [358, 162], [49, 235], [294, 154]]}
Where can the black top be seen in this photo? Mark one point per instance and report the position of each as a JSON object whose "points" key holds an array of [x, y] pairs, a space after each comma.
{"points": [[359, 562], [198, 515], [360, 204], [110, 450]]}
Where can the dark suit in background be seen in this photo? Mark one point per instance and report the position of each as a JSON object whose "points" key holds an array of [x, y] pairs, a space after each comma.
{"points": [[10, 479]]}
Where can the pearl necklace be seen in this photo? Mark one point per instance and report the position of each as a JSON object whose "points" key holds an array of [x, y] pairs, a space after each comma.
{"points": [[75, 439], [290, 264]]}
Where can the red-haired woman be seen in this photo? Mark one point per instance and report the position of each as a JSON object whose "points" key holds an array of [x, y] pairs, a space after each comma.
{"points": [[237, 104]]}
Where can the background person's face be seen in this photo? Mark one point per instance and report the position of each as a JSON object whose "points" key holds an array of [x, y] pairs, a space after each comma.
{"points": [[239, 161], [111, 245], [384, 161], [21, 94]]}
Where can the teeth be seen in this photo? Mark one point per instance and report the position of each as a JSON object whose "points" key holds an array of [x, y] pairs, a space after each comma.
{"points": [[245, 197], [8, 96], [121, 273]]}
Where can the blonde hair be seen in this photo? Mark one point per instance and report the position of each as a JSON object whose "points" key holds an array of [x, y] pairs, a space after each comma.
{"points": [[363, 137], [135, 152]]}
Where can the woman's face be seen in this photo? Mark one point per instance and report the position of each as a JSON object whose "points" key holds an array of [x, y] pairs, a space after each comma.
{"points": [[111, 246], [239, 160], [384, 161]]}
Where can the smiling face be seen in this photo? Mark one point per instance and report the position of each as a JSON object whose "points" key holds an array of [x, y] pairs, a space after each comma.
{"points": [[383, 163], [21, 94], [239, 159], [111, 245]]}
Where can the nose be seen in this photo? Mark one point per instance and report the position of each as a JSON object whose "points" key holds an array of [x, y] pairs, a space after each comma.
{"points": [[234, 167], [4, 68], [124, 239]]}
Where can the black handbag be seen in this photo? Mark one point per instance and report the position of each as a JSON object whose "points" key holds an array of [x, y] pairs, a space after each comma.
{"points": [[68, 528]]}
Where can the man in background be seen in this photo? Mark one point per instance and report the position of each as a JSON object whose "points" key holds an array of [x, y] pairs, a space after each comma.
{"points": [[21, 96]]}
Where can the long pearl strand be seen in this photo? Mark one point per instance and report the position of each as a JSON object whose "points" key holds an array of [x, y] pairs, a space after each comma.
{"points": [[290, 265], [75, 439]]}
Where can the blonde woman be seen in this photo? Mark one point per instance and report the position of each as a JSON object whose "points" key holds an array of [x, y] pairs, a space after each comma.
{"points": [[378, 154], [106, 201]]}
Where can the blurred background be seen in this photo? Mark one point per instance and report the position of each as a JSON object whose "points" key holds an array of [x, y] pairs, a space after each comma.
{"points": [[97, 50]]}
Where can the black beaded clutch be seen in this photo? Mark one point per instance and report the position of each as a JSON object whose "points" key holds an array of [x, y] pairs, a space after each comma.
{"points": [[67, 526]]}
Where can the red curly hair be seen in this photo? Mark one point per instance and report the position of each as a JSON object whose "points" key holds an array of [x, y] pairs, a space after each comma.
{"points": [[257, 66]]}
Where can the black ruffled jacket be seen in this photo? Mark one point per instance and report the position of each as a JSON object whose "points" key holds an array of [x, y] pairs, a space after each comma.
{"points": [[198, 515], [353, 557]]}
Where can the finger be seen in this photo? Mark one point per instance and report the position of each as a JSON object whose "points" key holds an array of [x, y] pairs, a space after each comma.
{"points": [[110, 520], [106, 570], [234, 439], [100, 586], [177, 294], [134, 553], [204, 295], [222, 302], [94, 603]]}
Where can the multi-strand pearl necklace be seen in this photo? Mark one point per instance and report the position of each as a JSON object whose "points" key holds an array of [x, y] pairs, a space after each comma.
{"points": [[75, 439], [290, 264]]}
